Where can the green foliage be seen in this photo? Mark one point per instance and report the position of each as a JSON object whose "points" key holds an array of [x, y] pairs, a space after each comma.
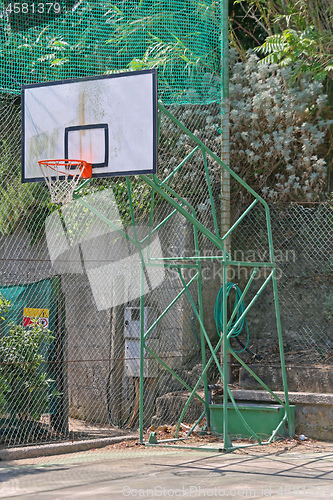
{"points": [[26, 204], [155, 35], [31, 14], [299, 32], [276, 134], [304, 49], [181, 38], [24, 385], [4, 305]]}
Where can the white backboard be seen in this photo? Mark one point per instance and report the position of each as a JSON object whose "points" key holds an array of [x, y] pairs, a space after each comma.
{"points": [[109, 121]]}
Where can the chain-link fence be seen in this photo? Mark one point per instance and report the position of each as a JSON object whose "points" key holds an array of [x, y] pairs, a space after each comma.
{"points": [[82, 379], [302, 235]]}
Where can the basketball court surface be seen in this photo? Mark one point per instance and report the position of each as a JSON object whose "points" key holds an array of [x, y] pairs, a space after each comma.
{"points": [[287, 472]]}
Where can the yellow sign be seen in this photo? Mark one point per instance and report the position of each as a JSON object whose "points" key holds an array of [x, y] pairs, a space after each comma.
{"points": [[31, 313], [36, 313]]}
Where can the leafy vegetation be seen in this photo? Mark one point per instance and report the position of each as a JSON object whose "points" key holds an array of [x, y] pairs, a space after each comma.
{"points": [[277, 131], [298, 32], [276, 134], [296, 35], [181, 38], [20, 203], [4, 305], [276, 127], [24, 384]]}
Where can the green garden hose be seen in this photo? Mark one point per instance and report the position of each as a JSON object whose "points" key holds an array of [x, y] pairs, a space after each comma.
{"points": [[218, 316]]}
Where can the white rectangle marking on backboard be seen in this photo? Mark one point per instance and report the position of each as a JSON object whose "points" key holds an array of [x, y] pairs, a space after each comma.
{"points": [[87, 144]]}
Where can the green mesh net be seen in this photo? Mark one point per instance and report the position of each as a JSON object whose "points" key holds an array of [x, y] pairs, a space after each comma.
{"points": [[55, 40]]}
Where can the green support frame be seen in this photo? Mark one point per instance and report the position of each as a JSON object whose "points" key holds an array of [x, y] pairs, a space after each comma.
{"points": [[182, 206]]}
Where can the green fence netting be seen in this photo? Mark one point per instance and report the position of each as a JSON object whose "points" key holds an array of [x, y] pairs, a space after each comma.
{"points": [[30, 301], [43, 41], [32, 373]]}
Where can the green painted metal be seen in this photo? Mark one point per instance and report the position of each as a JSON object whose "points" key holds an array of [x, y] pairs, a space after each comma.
{"points": [[213, 357], [234, 312], [262, 418], [174, 374], [152, 438], [250, 264], [282, 360], [217, 241], [261, 289], [99, 38], [171, 440], [84, 183], [202, 333], [282, 425], [197, 422], [194, 448], [242, 419], [181, 164], [239, 220], [225, 350], [159, 128], [183, 207], [104, 219], [213, 156], [142, 351]]}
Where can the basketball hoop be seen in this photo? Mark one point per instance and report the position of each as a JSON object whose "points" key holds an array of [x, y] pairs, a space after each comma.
{"points": [[62, 177]]}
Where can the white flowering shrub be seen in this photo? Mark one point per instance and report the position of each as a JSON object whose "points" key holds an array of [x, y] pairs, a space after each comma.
{"points": [[276, 131]]}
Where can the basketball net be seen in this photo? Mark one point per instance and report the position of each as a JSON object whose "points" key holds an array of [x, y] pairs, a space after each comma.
{"points": [[62, 177]]}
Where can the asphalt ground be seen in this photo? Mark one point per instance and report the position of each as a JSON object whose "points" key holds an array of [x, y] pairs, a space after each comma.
{"points": [[279, 471]]}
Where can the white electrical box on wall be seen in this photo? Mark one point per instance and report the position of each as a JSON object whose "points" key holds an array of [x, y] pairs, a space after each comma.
{"points": [[132, 344]]}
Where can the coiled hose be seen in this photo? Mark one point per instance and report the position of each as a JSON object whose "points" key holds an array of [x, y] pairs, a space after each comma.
{"points": [[218, 316]]}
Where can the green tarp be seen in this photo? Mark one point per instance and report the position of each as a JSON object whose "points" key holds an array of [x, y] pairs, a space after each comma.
{"points": [[31, 301]]}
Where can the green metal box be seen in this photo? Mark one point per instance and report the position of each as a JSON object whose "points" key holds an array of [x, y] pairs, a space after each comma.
{"points": [[262, 418]]}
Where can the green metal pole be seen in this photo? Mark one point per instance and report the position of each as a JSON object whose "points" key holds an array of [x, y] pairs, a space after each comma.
{"points": [[105, 220], [255, 376], [210, 153], [226, 439], [202, 337], [279, 328], [182, 210], [175, 375]]}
